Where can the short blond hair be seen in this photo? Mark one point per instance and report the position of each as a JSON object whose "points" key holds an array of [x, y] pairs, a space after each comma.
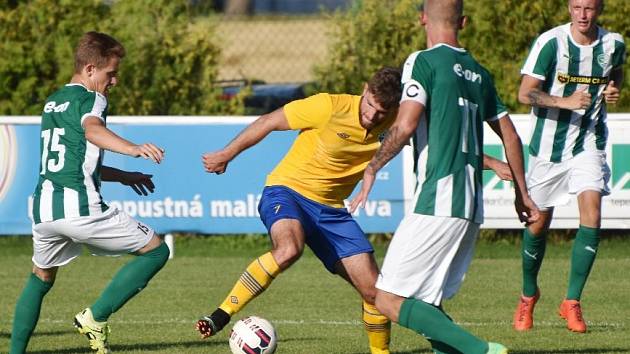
{"points": [[97, 49], [448, 12]]}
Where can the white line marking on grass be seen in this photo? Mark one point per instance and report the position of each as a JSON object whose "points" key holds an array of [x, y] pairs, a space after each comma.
{"points": [[322, 322]]}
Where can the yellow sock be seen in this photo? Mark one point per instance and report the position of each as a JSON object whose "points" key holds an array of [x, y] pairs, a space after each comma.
{"points": [[256, 278], [378, 329]]}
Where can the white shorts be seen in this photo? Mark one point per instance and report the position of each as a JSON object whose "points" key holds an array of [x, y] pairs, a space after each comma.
{"points": [[428, 257], [550, 184], [56, 243]]}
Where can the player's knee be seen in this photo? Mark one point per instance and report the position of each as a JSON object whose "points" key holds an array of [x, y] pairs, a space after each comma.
{"points": [[287, 253], [385, 307], [46, 275], [539, 228], [368, 293], [591, 218], [161, 253]]}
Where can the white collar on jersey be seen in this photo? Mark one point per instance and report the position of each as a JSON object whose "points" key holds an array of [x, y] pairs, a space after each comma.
{"points": [[462, 50]]}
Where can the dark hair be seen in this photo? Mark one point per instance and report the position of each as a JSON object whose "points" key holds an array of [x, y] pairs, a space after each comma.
{"points": [[386, 88], [96, 48]]}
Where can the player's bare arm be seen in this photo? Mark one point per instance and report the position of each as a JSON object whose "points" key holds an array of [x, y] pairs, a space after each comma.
{"points": [[216, 162], [397, 137], [140, 183], [97, 133], [613, 89], [530, 93], [499, 167], [526, 209]]}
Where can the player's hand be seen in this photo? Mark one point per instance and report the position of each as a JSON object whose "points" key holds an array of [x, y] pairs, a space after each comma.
{"points": [[148, 151], [139, 182], [526, 210], [611, 93], [359, 200], [502, 170], [215, 162], [580, 99]]}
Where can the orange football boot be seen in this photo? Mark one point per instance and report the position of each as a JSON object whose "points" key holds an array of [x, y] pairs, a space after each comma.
{"points": [[524, 314], [571, 311]]}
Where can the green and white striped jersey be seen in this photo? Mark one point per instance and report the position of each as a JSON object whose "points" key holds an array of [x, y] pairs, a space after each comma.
{"points": [[69, 177], [564, 67], [458, 95]]}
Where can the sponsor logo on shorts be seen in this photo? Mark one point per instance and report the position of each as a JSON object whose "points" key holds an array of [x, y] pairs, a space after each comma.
{"points": [[590, 249], [277, 208]]}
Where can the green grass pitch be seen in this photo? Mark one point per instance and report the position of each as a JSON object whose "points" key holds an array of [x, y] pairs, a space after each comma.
{"points": [[314, 312]]}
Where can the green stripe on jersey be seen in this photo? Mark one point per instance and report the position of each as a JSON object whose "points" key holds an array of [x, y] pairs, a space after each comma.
{"points": [[458, 202], [598, 71], [426, 200], [36, 202], [58, 202], [564, 117], [548, 55]]}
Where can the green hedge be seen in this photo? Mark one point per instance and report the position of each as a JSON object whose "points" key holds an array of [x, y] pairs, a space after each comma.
{"points": [[499, 34], [170, 66]]}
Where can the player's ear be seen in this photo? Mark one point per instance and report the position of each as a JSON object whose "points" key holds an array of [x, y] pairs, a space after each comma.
{"points": [[365, 89], [88, 69], [422, 18], [463, 22]]}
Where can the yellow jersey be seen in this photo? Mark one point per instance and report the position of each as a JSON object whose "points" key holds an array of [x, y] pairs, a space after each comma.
{"points": [[329, 155]]}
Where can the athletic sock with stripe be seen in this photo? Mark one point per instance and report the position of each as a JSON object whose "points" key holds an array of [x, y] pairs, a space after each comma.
{"points": [[532, 254], [256, 278], [27, 312], [433, 324], [582, 259]]}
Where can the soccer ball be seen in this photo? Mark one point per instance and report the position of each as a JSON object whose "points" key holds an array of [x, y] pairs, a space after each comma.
{"points": [[253, 335]]}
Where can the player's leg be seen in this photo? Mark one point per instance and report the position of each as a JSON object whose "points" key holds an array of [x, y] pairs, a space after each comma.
{"points": [[115, 233], [585, 244], [583, 256], [428, 320], [131, 279], [361, 271], [415, 273], [281, 214], [28, 307], [548, 185], [340, 244], [589, 180], [50, 251], [533, 248]]}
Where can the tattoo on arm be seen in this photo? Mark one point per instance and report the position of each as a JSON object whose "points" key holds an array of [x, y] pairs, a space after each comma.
{"points": [[539, 98], [392, 144]]}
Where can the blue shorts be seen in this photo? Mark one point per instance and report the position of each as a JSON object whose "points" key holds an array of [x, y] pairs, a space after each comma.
{"points": [[331, 233]]}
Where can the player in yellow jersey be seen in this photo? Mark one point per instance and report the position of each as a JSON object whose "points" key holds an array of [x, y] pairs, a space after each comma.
{"points": [[303, 200]]}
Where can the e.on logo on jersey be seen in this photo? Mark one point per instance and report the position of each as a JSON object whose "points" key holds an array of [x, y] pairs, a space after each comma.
{"points": [[8, 158], [466, 74], [53, 107]]}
